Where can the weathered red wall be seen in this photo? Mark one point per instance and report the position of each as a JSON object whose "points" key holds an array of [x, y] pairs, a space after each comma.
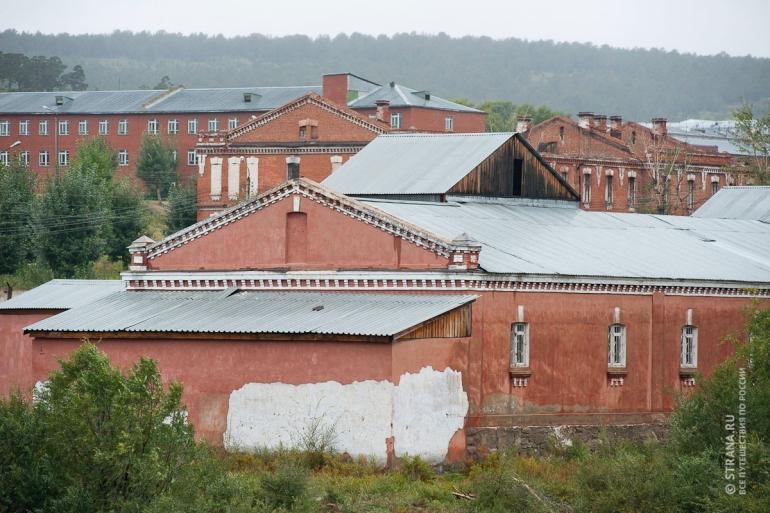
{"points": [[432, 120], [333, 242], [17, 349]]}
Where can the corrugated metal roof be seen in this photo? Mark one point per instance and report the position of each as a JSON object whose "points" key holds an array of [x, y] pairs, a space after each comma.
{"points": [[63, 294], [745, 202], [426, 163], [572, 242], [254, 312], [147, 101], [402, 96]]}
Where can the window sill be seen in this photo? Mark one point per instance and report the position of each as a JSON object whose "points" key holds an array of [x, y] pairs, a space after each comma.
{"points": [[617, 371], [688, 371], [520, 372]]}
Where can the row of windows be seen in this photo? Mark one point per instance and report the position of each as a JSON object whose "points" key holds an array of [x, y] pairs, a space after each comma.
{"points": [[44, 158], [395, 122], [153, 126], [616, 346], [609, 198]]}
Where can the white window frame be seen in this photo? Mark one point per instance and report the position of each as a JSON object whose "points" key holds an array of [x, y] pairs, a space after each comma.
{"points": [[192, 158], [192, 126], [395, 120], [123, 158], [64, 127], [5, 158], [616, 346], [43, 158], [173, 126], [104, 127], [519, 345], [24, 127], [586, 189], [24, 158], [42, 127], [123, 127], [689, 347], [83, 127], [153, 126], [449, 124], [609, 197], [213, 122], [5, 128], [232, 123], [63, 158]]}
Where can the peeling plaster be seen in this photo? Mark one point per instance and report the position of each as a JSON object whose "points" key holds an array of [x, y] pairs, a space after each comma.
{"points": [[422, 413]]}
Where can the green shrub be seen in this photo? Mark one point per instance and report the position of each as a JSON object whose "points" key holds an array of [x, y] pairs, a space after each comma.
{"points": [[286, 487], [416, 468]]}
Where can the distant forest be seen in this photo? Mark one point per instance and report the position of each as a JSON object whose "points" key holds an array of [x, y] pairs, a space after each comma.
{"points": [[568, 77]]}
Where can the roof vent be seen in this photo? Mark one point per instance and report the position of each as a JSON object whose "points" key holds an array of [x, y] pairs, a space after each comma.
{"points": [[392, 84], [247, 97], [318, 308], [59, 100], [423, 94]]}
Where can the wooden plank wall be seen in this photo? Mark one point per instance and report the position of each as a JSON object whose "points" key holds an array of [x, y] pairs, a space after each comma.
{"points": [[453, 324]]}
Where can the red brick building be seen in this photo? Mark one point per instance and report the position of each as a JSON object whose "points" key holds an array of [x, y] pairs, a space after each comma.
{"points": [[443, 324], [628, 167]]}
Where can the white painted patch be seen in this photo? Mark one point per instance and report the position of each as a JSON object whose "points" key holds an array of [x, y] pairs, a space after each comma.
{"points": [[422, 412]]}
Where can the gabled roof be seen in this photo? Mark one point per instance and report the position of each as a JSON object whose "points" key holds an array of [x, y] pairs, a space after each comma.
{"points": [[600, 137], [63, 294], [377, 315], [746, 202], [308, 99], [414, 163], [402, 96]]}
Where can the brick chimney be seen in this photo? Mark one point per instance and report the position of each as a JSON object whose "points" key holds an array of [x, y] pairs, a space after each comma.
{"points": [[600, 122], [586, 119], [383, 111], [335, 88], [523, 124], [660, 126], [616, 126]]}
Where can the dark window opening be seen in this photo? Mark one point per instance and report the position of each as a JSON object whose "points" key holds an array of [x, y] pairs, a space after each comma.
{"points": [[631, 191], [292, 170], [561, 133], [302, 132], [547, 147], [608, 194], [518, 174]]}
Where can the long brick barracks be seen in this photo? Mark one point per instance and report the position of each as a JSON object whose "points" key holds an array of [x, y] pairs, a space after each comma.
{"points": [[366, 253]]}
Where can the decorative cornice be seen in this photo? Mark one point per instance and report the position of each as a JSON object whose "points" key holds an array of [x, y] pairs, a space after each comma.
{"points": [[425, 281], [319, 194], [272, 150]]}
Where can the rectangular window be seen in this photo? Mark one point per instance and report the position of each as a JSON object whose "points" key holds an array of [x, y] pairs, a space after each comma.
{"points": [[213, 125], [690, 194], [561, 133], [173, 126], [192, 126], [24, 158], [5, 128], [631, 190], [520, 345], [123, 127], [173, 155], [608, 191], [104, 127], [42, 158], [449, 124], [689, 356], [24, 127], [4, 159], [83, 127], [42, 127], [395, 120], [232, 123], [192, 159], [152, 127], [714, 188], [123, 157], [616, 350], [64, 158], [64, 127], [586, 189]]}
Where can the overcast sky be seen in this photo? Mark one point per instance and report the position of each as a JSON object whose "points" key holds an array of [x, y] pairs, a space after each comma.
{"points": [[738, 27]]}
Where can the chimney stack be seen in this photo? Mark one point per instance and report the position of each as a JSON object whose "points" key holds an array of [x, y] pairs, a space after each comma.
{"points": [[616, 122], [660, 126], [600, 122], [383, 111], [523, 124], [585, 119], [335, 88]]}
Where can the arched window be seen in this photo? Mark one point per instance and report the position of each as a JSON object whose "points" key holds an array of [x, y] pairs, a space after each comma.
{"points": [[689, 348], [616, 346]]}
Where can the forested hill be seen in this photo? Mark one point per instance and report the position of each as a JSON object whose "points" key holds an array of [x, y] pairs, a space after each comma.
{"points": [[568, 77]]}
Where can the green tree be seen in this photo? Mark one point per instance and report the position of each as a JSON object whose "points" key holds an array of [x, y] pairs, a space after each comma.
{"points": [[182, 206], [156, 165], [75, 79], [97, 155], [753, 134], [95, 439], [16, 200], [128, 218]]}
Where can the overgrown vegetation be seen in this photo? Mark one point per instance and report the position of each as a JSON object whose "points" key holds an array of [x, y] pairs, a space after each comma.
{"points": [[753, 133], [99, 440]]}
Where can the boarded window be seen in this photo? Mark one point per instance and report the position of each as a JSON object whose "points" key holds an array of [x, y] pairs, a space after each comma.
{"points": [[296, 237]]}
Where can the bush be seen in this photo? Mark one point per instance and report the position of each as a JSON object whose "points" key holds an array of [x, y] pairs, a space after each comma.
{"points": [[417, 469], [499, 490], [286, 487]]}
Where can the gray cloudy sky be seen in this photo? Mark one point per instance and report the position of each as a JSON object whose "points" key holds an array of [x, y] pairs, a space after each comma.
{"points": [[738, 27]]}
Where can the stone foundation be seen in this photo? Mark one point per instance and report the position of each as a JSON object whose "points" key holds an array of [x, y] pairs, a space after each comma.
{"points": [[533, 440]]}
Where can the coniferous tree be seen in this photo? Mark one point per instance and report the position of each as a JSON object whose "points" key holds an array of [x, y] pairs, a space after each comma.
{"points": [[16, 198], [156, 165]]}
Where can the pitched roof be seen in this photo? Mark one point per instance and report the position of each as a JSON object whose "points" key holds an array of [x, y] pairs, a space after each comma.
{"points": [[746, 202], [63, 294], [226, 99], [602, 138], [402, 96], [380, 315], [519, 239], [414, 163]]}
